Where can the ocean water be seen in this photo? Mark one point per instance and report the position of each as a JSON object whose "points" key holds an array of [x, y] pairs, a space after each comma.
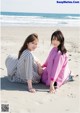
{"points": [[39, 19]]}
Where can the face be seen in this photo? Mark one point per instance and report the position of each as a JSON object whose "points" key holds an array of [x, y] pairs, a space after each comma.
{"points": [[33, 45], [55, 42]]}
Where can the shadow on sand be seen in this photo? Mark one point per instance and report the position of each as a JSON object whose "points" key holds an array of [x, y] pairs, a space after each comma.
{"points": [[7, 85]]}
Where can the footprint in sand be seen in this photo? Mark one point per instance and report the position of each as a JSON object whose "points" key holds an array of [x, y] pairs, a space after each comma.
{"points": [[71, 95]]}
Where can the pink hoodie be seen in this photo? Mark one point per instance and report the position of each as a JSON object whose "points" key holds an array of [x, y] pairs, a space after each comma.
{"points": [[56, 68]]}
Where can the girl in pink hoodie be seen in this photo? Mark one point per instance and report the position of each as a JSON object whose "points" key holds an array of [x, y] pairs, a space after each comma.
{"points": [[56, 70]]}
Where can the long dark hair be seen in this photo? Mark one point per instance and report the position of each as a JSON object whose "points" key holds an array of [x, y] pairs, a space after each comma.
{"points": [[59, 36], [29, 39]]}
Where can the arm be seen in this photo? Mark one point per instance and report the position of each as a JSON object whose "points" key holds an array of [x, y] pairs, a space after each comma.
{"points": [[28, 67], [29, 72], [57, 66], [40, 69], [58, 63], [46, 62]]}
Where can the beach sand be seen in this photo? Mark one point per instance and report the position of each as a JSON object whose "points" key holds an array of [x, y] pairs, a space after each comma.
{"points": [[67, 98]]}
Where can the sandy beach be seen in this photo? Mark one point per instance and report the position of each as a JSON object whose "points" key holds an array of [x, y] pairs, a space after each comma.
{"points": [[67, 98]]}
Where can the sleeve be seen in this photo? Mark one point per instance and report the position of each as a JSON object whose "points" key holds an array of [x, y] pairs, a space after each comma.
{"points": [[57, 66], [29, 67], [46, 62]]}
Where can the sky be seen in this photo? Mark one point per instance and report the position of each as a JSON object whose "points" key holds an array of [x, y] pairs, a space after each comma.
{"points": [[39, 6]]}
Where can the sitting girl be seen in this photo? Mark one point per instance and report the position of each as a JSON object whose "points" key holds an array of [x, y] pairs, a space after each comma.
{"points": [[56, 70], [25, 69]]}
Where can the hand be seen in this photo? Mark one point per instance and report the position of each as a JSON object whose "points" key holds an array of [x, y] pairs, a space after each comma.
{"points": [[30, 88], [52, 89], [40, 69]]}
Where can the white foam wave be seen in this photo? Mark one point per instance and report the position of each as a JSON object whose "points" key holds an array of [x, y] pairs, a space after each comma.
{"points": [[72, 17], [38, 21]]}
